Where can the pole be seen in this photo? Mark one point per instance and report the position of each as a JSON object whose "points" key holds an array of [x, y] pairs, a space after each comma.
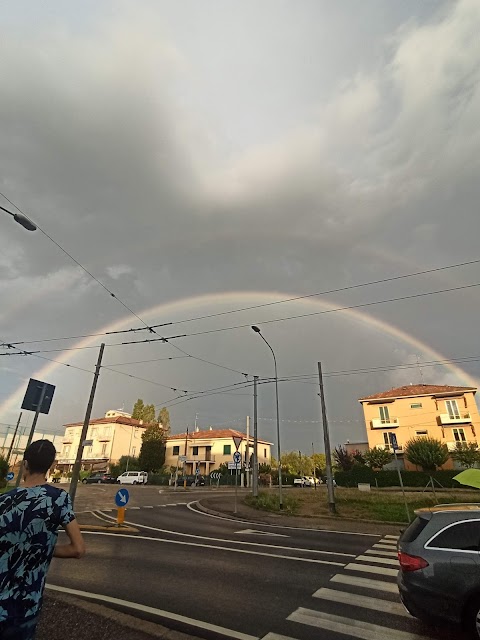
{"points": [[32, 430], [236, 485], [255, 439], [129, 449], [14, 436], [326, 440], [185, 461], [247, 455], [86, 422], [401, 483], [314, 467]]}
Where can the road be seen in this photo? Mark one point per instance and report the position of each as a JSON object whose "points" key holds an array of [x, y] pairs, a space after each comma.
{"points": [[217, 577]]}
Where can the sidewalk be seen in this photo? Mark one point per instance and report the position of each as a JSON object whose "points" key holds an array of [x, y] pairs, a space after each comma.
{"points": [[224, 505], [66, 617]]}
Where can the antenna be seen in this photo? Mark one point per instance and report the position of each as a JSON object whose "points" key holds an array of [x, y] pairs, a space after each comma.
{"points": [[420, 369]]}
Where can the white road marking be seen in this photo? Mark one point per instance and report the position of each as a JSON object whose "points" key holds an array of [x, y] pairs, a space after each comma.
{"points": [[212, 546], [392, 537], [238, 542], [366, 602], [369, 569], [148, 507], [380, 545], [390, 543], [199, 624], [276, 636], [390, 561], [366, 583], [262, 533], [133, 507], [278, 526], [171, 504], [378, 552], [349, 627]]}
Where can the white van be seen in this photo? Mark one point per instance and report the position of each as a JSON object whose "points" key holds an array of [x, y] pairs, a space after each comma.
{"points": [[133, 477]]}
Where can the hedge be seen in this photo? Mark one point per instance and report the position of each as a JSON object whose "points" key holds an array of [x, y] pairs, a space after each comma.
{"points": [[390, 478]]}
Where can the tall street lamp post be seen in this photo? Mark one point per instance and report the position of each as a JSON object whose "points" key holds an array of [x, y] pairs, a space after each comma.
{"points": [[280, 498], [21, 219]]}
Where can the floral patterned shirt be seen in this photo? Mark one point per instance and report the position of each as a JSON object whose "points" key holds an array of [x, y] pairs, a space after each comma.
{"points": [[29, 522]]}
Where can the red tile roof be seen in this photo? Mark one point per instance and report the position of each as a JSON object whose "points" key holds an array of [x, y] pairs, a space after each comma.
{"points": [[213, 434], [418, 390], [114, 420]]}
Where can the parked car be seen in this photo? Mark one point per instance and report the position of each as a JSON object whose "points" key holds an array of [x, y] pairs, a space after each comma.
{"points": [[133, 477], [99, 478], [306, 481], [439, 555], [199, 481]]}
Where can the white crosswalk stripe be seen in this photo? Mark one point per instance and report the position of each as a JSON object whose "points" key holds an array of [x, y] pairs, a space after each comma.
{"points": [[380, 552], [386, 547], [388, 541], [366, 583], [391, 561], [367, 602], [352, 566]]}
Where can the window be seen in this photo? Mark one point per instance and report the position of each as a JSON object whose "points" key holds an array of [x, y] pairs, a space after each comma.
{"points": [[264, 453], [176, 450], [464, 536], [386, 439], [416, 405], [94, 432], [195, 451], [134, 449], [66, 451], [384, 415], [414, 529], [459, 435], [421, 433], [104, 448], [452, 409], [227, 449]]}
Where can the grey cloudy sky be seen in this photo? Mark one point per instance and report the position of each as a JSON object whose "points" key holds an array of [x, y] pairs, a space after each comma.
{"points": [[204, 157]]}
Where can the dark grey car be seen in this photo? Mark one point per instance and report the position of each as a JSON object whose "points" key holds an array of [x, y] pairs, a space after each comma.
{"points": [[439, 555]]}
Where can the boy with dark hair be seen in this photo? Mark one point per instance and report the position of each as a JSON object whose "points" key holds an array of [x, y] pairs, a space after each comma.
{"points": [[30, 517]]}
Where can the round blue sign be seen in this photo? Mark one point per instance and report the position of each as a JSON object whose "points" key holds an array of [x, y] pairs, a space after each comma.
{"points": [[121, 497], [237, 457], [10, 475]]}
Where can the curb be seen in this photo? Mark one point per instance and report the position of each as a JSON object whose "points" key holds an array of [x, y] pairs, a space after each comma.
{"points": [[111, 528], [253, 518]]}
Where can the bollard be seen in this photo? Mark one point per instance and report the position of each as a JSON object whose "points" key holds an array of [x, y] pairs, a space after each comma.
{"points": [[120, 516]]}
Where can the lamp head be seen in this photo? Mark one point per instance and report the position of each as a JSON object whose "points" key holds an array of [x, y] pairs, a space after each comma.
{"points": [[256, 329]]}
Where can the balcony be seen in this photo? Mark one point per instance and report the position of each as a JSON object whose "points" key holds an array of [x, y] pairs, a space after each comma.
{"points": [[453, 445], [459, 418], [379, 423], [104, 438], [67, 441], [200, 458]]}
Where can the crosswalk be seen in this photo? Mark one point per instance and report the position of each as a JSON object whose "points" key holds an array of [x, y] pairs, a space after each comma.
{"points": [[357, 602]]}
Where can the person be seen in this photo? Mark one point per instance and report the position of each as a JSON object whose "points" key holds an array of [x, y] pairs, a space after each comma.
{"points": [[30, 517]]}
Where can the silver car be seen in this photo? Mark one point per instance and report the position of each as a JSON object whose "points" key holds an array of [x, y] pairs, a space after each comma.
{"points": [[439, 556]]}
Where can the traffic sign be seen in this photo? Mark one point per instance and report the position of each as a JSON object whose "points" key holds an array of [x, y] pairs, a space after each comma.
{"points": [[10, 475], [237, 457], [182, 458], [215, 475], [34, 393], [121, 497], [393, 441], [87, 443], [233, 465], [197, 472], [237, 440]]}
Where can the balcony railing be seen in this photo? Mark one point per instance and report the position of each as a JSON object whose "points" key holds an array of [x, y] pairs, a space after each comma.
{"points": [[201, 458], [459, 418], [453, 445], [380, 423], [104, 438]]}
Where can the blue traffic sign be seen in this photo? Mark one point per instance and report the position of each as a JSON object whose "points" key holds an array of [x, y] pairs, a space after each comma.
{"points": [[197, 472], [121, 497], [10, 475], [237, 456], [393, 441]]}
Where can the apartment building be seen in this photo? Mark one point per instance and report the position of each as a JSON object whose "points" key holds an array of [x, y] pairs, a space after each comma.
{"points": [[447, 413], [115, 435], [207, 450]]}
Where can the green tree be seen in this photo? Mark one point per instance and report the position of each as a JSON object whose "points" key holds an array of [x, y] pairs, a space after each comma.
{"points": [[3, 471], [467, 454], [148, 416], [264, 468], [164, 419], [152, 452], [377, 457], [319, 463], [138, 408], [121, 466], [343, 459], [428, 453]]}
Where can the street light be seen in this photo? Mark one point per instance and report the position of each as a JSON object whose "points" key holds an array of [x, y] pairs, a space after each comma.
{"points": [[280, 499], [21, 219]]}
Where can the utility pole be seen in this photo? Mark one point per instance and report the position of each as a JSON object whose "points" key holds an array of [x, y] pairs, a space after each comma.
{"points": [[255, 439], [247, 455], [86, 422], [14, 436], [326, 440], [185, 462], [32, 430], [314, 467]]}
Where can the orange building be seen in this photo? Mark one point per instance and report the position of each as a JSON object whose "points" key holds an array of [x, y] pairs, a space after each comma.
{"points": [[444, 412]]}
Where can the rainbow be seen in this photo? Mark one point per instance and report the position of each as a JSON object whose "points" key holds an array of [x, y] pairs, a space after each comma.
{"points": [[164, 312]]}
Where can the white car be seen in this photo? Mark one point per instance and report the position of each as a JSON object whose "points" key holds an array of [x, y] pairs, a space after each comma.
{"points": [[306, 481], [133, 477]]}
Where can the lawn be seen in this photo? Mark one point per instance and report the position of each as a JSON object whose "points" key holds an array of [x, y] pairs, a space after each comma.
{"points": [[386, 506]]}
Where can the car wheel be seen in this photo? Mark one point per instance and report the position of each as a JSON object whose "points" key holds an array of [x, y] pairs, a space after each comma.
{"points": [[134, 482], [118, 482], [99, 482], [472, 617], [84, 481]]}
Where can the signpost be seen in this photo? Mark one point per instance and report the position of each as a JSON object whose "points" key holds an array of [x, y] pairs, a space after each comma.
{"points": [[392, 437], [10, 476], [237, 458], [216, 475], [121, 499]]}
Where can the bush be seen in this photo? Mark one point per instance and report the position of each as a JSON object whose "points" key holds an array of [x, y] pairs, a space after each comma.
{"points": [[159, 478], [390, 478], [85, 474], [270, 502], [3, 468], [428, 453]]}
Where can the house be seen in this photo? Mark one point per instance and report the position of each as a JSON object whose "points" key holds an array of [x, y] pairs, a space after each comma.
{"points": [[444, 412], [16, 447], [207, 450], [109, 438]]}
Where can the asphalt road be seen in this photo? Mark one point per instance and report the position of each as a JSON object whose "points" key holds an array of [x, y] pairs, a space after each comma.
{"points": [[217, 577]]}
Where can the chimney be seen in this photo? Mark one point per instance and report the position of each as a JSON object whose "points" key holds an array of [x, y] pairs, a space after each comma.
{"points": [[210, 428]]}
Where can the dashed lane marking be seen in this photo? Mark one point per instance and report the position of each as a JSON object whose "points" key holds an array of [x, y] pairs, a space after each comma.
{"points": [[366, 583]]}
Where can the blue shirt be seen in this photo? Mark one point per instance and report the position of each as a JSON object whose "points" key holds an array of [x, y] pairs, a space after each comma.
{"points": [[29, 523]]}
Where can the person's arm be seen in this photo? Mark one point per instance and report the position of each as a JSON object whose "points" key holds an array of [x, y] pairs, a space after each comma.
{"points": [[76, 546]]}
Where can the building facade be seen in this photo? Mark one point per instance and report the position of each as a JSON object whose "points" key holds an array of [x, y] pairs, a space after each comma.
{"points": [[207, 450], [446, 413], [110, 438]]}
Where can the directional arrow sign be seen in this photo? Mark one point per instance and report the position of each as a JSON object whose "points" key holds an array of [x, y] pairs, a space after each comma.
{"points": [[237, 457], [10, 475], [121, 497]]}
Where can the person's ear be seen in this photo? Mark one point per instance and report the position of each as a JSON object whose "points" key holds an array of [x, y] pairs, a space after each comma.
{"points": [[25, 465]]}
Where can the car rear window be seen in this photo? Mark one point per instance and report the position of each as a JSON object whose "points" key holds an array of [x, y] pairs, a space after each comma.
{"points": [[412, 532], [464, 536]]}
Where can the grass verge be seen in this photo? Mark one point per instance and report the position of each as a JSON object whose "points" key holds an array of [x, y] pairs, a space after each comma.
{"points": [[269, 501]]}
